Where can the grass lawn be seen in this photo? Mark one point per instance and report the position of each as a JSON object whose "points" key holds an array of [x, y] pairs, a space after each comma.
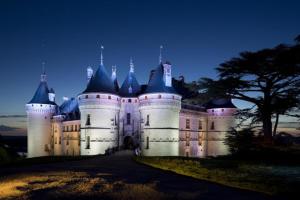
{"points": [[271, 179]]}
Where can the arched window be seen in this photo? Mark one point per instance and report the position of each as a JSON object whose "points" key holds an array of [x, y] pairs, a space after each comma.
{"points": [[129, 100], [159, 96], [109, 97], [146, 97], [98, 96], [86, 96]]}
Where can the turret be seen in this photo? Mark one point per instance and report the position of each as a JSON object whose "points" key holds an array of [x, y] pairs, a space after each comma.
{"points": [[39, 113], [159, 107], [99, 107], [220, 121]]}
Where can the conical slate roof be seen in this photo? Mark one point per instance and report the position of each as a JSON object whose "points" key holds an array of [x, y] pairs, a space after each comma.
{"points": [[68, 106], [220, 103], [70, 109], [41, 95], [130, 86], [100, 82], [156, 82]]}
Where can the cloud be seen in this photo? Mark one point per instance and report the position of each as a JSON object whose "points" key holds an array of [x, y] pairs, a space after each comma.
{"points": [[8, 128], [12, 116]]}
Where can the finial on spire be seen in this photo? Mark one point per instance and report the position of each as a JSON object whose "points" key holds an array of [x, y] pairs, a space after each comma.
{"points": [[101, 58], [113, 72], [131, 65], [160, 54], [43, 75]]}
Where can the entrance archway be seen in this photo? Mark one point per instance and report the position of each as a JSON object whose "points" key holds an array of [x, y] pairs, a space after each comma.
{"points": [[128, 142]]}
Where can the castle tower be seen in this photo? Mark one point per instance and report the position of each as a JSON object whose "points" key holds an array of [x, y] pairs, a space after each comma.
{"points": [[99, 107], [129, 113], [39, 113], [220, 121], [159, 107]]}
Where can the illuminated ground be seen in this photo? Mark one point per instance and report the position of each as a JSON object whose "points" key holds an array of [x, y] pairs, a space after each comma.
{"points": [[111, 177]]}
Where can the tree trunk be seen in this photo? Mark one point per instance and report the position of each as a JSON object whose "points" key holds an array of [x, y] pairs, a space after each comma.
{"points": [[267, 127], [276, 124]]}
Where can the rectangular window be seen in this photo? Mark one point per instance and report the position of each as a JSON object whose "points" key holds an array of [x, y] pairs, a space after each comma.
{"points": [[200, 125], [147, 143], [187, 124], [59, 140], [55, 140], [148, 121], [199, 139], [212, 127], [128, 118], [87, 142], [78, 139], [88, 120]]}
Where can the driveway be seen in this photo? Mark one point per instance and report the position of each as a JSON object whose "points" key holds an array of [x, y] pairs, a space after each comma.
{"points": [[122, 169]]}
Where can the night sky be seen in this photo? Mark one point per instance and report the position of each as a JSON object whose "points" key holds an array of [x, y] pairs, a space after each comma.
{"points": [[196, 35]]}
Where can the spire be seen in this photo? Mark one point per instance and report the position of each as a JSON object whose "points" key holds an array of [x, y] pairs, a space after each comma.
{"points": [[101, 58], [131, 65], [43, 75], [160, 56]]}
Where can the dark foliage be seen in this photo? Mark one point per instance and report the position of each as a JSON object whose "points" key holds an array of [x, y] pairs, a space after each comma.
{"points": [[240, 142], [269, 79]]}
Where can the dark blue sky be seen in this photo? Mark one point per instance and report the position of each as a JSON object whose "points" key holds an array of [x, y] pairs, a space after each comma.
{"points": [[196, 35]]}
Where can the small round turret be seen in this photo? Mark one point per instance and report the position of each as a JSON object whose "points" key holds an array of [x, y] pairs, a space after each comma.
{"points": [[220, 121], [39, 113]]}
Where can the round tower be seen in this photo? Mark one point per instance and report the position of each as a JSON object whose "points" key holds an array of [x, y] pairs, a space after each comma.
{"points": [[39, 113], [159, 109], [99, 107], [220, 121], [129, 113]]}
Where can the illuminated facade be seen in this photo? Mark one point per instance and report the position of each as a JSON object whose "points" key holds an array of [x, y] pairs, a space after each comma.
{"points": [[106, 117]]}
